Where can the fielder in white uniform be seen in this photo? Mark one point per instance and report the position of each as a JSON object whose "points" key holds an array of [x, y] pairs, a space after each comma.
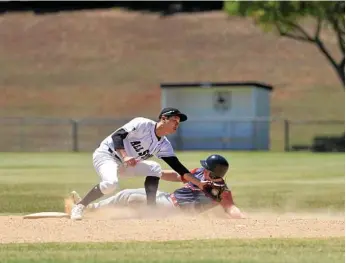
{"points": [[130, 147]]}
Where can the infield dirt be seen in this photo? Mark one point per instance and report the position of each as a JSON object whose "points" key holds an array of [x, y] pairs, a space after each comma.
{"points": [[124, 225]]}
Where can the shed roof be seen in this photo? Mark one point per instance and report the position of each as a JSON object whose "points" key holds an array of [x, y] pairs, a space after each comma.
{"points": [[215, 84]]}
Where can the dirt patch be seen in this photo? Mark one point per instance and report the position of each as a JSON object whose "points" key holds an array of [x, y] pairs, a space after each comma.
{"points": [[124, 225]]}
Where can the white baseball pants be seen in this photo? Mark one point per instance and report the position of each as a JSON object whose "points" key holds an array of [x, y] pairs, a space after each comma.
{"points": [[133, 196], [107, 167]]}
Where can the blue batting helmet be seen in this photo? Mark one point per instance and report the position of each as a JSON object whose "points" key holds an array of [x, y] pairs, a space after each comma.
{"points": [[216, 164]]}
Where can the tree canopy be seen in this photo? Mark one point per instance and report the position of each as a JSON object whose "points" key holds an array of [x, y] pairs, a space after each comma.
{"points": [[285, 17]]}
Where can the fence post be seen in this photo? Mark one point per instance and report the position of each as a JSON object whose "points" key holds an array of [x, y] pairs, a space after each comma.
{"points": [[254, 135], [22, 133], [75, 146], [287, 135]]}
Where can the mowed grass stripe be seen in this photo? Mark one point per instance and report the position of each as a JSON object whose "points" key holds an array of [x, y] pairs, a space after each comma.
{"points": [[216, 250], [23, 198], [244, 166]]}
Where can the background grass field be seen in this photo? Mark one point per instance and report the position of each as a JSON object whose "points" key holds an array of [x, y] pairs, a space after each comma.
{"points": [[32, 182]]}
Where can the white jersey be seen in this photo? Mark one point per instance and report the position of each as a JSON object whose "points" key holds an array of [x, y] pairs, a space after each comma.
{"points": [[141, 141]]}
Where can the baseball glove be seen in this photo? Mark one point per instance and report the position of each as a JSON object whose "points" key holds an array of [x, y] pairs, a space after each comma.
{"points": [[214, 190]]}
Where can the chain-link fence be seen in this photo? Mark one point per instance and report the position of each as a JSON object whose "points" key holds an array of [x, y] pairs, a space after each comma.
{"points": [[315, 135], [52, 134], [36, 134]]}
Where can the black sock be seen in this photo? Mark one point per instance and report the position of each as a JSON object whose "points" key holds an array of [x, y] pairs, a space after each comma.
{"points": [[94, 193], [151, 184]]}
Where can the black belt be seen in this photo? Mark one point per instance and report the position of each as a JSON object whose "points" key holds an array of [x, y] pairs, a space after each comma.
{"points": [[115, 155]]}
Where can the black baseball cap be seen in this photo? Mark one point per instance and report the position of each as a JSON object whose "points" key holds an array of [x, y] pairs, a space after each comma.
{"points": [[169, 112]]}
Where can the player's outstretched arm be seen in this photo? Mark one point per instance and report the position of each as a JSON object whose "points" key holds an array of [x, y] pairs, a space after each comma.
{"points": [[166, 153], [171, 176], [230, 208], [234, 212], [185, 174]]}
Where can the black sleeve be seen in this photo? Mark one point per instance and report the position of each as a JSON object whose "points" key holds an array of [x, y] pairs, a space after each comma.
{"points": [[176, 165], [118, 138]]}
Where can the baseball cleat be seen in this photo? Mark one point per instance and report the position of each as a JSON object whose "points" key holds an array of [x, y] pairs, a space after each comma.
{"points": [[70, 201], [77, 212], [75, 197]]}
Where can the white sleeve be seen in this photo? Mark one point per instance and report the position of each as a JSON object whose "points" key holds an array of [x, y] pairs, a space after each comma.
{"points": [[138, 125], [166, 149]]}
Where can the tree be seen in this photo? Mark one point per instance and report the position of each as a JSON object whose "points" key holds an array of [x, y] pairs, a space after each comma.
{"points": [[286, 17]]}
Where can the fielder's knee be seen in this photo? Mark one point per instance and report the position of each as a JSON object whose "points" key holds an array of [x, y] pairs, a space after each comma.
{"points": [[151, 168], [108, 187]]}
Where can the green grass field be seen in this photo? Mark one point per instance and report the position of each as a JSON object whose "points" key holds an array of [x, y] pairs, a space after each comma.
{"points": [[235, 251], [32, 182]]}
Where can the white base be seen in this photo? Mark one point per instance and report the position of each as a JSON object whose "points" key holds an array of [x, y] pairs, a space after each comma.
{"points": [[46, 215]]}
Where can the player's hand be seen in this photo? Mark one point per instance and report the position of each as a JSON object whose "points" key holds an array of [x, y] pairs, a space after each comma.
{"points": [[202, 184], [129, 161], [238, 216], [234, 212]]}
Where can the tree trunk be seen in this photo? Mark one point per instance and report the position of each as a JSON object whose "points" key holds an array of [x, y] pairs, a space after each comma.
{"points": [[341, 71], [339, 68]]}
